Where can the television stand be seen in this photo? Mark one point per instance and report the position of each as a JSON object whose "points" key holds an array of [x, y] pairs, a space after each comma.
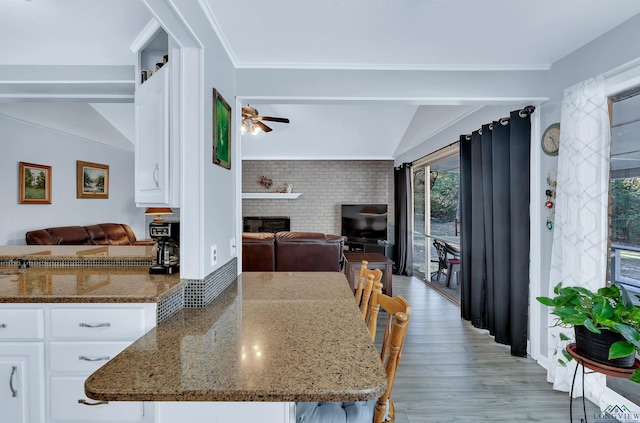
{"points": [[385, 248]]}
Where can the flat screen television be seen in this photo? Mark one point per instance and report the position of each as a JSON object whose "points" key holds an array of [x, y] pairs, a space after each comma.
{"points": [[364, 222]]}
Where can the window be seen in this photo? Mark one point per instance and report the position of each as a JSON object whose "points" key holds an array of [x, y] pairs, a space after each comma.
{"points": [[624, 192]]}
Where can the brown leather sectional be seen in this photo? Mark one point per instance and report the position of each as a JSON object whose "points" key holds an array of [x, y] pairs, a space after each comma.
{"points": [[291, 252], [100, 234]]}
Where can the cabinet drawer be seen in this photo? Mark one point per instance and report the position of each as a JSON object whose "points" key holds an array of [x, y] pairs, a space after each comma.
{"points": [[65, 393], [21, 323], [97, 323], [82, 356]]}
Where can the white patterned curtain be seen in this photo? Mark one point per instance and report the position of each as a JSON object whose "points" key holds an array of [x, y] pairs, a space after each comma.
{"points": [[579, 251]]}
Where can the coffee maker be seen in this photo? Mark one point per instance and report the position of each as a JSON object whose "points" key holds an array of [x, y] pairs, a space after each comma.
{"points": [[167, 236]]}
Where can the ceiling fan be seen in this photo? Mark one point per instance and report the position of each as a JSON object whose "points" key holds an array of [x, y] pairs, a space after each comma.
{"points": [[253, 122]]}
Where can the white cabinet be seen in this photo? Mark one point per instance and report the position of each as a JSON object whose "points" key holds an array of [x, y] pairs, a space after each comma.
{"points": [[48, 350], [21, 382], [21, 364], [81, 339], [157, 152], [152, 139]]}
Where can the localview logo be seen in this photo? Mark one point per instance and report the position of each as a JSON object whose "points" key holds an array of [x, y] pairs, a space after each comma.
{"points": [[617, 413]]}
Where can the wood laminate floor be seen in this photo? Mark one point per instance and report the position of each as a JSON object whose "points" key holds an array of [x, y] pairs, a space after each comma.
{"points": [[453, 372]]}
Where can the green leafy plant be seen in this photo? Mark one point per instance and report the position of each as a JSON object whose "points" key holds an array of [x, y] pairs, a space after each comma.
{"points": [[608, 308]]}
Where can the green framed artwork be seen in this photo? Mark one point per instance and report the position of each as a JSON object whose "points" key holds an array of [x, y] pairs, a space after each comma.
{"points": [[221, 131], [35, 184]]}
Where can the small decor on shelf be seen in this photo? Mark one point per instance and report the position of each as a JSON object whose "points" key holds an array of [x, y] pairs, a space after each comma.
{"points": [[607, 316], [265, 182], [286, 189], [147, 73]]}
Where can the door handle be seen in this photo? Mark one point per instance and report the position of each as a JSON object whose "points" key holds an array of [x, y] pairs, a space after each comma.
{"points": [[156, 175], [97, 325], [85, 402], [14, 392], [85, 358]]}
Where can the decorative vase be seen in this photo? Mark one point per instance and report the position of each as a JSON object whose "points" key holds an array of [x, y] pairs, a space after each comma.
{"points": [[595, 346]]}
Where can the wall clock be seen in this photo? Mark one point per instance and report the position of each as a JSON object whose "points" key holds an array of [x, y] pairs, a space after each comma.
{"points": [[551, 139]]}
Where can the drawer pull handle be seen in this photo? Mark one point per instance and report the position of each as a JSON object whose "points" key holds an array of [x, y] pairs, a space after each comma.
{"points": [[156, 173], [3, 325], [103, 358], [97, 325], [14, 392], [91, 404]]}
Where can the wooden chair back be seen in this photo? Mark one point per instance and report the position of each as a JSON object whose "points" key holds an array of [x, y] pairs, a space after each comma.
{"points": [[361, 281], [371, 278], [393, 336]]}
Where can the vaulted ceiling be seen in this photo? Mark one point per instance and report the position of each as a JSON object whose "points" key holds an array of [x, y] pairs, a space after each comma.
{"points": [[448, 35]]}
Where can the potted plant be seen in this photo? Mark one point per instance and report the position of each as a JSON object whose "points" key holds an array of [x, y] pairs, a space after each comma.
{"points": [[607, 315]]}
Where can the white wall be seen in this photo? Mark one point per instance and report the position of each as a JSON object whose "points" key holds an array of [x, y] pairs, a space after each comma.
{"points": [[210, 204], [606, 53], [27, 143]]}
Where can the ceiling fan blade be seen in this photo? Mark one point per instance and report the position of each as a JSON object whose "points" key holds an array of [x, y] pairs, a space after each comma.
{"points": [[264, 127], [274, 119]]}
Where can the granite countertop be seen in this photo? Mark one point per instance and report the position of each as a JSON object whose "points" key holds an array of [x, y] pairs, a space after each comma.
{"points": [[85, 284], [267, 337], [76, 252]]}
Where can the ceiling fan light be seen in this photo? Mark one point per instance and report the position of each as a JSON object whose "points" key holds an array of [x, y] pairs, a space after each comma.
{"points": [[255, 129]]}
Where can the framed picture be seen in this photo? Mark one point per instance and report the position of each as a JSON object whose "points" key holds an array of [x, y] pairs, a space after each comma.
{"points": [[92, 180], [221, 131], [35, 184]]}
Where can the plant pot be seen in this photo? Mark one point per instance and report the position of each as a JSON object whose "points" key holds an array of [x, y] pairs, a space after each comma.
{"points": [[595, 346]]}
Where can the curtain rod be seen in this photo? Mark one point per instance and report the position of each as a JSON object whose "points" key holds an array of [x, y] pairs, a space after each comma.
{"points": [[524, 112]]}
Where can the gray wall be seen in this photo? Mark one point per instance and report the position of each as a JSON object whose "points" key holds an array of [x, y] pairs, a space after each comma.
{"points": [[324, 184], [21, 142]]}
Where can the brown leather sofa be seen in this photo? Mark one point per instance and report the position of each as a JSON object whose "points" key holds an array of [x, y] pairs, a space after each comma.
{"points": [[291, 252], [100, 234]]}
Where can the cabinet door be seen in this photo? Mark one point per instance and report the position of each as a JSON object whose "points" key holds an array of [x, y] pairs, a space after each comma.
{"points": [[69, 403], [152, 139], [21, 382]]}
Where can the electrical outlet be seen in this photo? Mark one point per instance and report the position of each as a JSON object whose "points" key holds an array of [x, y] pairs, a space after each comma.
{"points": [[232, 247], [214, 255]]}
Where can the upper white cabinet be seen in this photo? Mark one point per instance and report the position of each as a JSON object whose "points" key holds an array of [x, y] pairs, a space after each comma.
{"points": [[152, 139], [157, 96]]}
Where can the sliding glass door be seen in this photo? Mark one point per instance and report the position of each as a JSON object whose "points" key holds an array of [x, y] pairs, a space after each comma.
{"points": [[420, 253], [435, 190]]}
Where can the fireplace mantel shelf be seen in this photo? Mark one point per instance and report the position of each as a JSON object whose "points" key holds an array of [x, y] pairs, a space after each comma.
{"points": [[270, 195]]}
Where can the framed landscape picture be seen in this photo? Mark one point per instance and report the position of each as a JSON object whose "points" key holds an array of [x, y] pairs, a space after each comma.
{"points": [[35, 184], [92, 180], [221, 131]]}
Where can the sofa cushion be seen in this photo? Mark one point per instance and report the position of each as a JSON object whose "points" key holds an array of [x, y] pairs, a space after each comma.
{"points": [[97, 235], [258, 252], [116, 234], [308, 252], [70, 235], [39, 237]]}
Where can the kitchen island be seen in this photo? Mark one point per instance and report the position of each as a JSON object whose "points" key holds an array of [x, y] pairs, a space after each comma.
{"points": [[78, 330], [269, 340], [65, 311]]}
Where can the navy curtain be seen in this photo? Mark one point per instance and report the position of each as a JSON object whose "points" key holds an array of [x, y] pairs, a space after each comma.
{"points": [[494, 208], [403, 251]]}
